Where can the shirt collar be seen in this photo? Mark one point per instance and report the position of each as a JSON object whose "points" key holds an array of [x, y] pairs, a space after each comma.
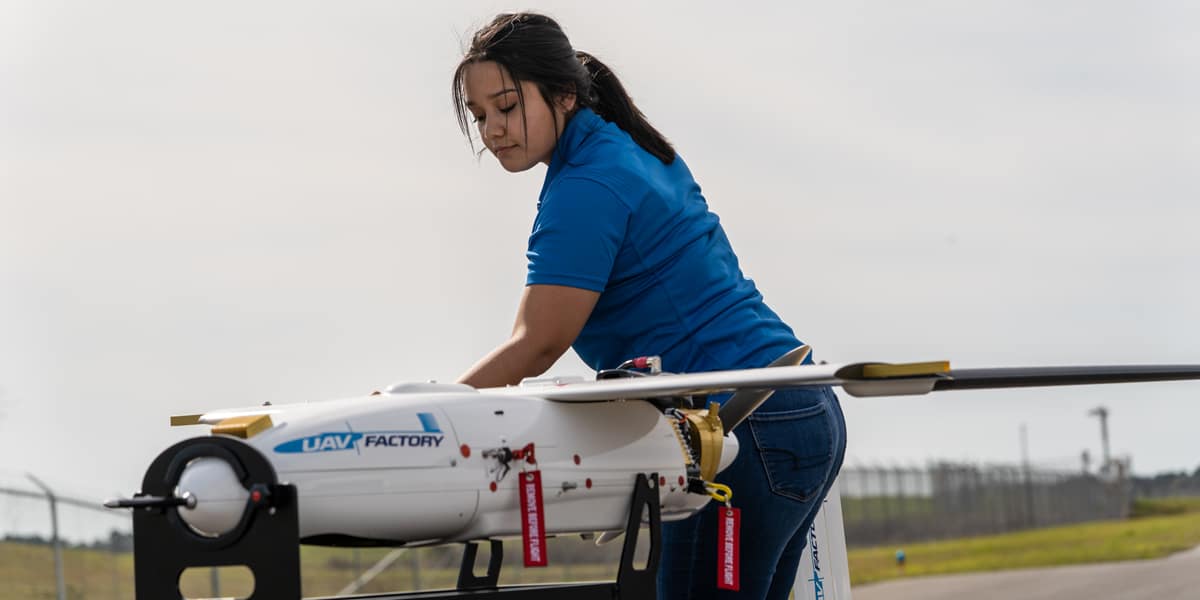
{"points": [[573, 136]]}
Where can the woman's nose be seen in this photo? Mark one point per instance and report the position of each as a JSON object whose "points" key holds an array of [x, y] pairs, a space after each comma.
{"points": [[493, 128]]}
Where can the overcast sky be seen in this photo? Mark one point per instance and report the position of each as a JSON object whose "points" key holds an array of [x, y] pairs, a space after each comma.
{"points": [[224, 203]]}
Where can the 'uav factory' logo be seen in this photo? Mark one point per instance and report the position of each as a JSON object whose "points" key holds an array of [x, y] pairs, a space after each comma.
{"points": [[429, 436]]}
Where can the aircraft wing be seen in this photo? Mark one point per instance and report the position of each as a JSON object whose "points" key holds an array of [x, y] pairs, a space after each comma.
{"points": [[857, 379]]}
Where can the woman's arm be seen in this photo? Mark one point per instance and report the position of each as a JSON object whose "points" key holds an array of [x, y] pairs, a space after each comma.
{"points": [[549, 319]]}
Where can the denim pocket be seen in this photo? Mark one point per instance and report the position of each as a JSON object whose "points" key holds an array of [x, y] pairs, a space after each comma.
{"points": [[796, 448]]}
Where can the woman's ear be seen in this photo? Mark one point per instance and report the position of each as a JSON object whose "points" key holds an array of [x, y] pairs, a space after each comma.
{"points": [[567, 102]]}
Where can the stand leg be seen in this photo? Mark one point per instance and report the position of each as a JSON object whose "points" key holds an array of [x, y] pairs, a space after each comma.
{"points": [[634, 583], [467, 580]]}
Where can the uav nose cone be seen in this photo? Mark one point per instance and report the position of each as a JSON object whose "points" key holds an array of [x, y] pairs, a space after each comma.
{"points": [[217, 499]]}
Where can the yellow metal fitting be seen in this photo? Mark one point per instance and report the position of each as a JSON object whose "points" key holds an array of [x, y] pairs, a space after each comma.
{"points": [[243, 427], [180, 420], [708, 438]]}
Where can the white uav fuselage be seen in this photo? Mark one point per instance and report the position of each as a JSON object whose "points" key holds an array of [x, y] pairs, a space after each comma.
{"points": [[417, 465]]}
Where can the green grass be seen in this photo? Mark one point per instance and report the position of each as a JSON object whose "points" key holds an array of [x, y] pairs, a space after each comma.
{"points": [[1162, 527], [27, 571], [1164, 506]]}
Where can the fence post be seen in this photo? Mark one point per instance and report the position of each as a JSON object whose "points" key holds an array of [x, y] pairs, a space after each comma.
{"points": [[59, 581], [884, 500], [415, 568], [214, 581]]}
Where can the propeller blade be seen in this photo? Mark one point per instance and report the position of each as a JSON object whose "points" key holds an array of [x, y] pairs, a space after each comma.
{"points": [[743, 402]]}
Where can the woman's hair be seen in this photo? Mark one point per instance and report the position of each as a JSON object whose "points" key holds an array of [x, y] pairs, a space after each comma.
{"points": [[532, 47]]}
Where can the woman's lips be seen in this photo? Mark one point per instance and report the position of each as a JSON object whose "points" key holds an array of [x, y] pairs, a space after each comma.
{"points": [[502, 150]]}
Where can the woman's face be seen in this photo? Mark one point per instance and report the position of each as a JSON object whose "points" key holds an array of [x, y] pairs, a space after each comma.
{"points": [[503, 122]]}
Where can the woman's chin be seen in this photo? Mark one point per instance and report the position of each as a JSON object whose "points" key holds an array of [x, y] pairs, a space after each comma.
{"points": [[515, 166]]}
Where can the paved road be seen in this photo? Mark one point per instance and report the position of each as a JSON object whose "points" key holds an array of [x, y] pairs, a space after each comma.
{"points": [[1170, 578]]}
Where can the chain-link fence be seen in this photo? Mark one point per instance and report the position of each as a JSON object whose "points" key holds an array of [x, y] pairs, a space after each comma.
{"points": [[59, 546], [945, 500]]}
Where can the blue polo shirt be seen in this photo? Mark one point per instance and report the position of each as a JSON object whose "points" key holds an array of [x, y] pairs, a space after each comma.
{"points": [[614, 219]]}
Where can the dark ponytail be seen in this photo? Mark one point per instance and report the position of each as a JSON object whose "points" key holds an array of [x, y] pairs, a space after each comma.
{"points": [[532, 47], [610, 100]]}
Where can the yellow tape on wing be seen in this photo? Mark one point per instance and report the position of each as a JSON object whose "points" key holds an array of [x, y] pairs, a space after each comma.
{"points": [[882, 371]]}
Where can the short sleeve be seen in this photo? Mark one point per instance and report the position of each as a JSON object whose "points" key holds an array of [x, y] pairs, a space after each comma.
{"points": [[579, 229]]}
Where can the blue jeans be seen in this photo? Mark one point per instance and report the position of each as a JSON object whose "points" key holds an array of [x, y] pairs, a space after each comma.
{"points": [[791, 450]]}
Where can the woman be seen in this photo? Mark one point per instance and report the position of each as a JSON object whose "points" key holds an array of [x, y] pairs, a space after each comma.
{"points": [[625, 260]]}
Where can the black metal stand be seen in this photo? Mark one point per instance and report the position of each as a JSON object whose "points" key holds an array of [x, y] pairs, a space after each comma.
{"points": [[267, 541], [467, 581], [632, 583]]}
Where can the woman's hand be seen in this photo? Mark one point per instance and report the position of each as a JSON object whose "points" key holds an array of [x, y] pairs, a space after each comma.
{"points": [[549, 319]]}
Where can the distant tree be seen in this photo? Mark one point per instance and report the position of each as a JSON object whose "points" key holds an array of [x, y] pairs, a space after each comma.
{"points": [[120, 542], [26, 539]]}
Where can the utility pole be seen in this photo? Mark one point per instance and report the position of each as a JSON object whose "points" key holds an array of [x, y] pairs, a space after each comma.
{"points": [[59, 580], [1102, 412]]}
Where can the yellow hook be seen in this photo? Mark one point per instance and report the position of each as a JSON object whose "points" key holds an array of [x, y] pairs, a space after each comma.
{"points": [[720, 493]]}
